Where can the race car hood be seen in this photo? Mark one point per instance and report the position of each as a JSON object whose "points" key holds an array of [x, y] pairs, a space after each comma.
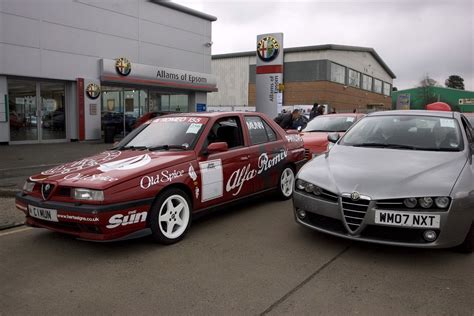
{"points": [[385, 173], [111, 167]]}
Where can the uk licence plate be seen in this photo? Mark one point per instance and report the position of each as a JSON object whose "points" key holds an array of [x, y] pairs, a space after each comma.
{"points": [[418, 220], [43, 213]]}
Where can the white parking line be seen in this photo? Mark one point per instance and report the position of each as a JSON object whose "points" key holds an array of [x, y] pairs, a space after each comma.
{"points": [[15, 231]]}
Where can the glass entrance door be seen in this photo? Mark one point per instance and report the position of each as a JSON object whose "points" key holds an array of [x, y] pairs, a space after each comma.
{"points": [[37, 111]]}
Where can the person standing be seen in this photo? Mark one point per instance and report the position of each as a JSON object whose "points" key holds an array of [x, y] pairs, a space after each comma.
{"points": [[314, 111], [286, 120]]}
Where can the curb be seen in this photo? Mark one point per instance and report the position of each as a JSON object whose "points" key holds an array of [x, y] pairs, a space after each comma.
{"points": [[9, 226], [8, 192]]}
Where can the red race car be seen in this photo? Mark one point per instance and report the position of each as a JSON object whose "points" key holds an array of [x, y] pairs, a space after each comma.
{"points": [[315, 134], [161, 174]]}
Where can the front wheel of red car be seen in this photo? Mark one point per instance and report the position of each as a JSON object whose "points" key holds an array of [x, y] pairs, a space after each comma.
{"points": [[468, 245], [170, 216], [286, 183]]}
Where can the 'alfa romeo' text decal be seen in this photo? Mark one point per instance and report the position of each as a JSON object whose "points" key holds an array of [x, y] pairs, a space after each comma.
{"points": [[240, 176]]}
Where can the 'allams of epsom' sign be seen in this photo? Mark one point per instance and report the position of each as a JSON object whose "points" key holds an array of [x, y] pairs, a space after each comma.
{"points": [[147, 75]]}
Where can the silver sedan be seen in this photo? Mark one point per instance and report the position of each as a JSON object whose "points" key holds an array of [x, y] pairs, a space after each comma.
{"points": [[401, 178]]}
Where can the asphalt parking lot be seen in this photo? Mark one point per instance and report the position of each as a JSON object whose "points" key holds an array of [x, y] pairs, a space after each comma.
{"points": [[249, 259]]}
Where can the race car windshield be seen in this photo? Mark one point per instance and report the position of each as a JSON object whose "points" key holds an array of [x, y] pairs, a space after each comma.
{"points": [[406, 133], [167, 133], [328, 123]]}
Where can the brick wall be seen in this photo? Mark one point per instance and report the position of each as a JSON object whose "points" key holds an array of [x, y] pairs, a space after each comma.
{"points": [[325, 92]]}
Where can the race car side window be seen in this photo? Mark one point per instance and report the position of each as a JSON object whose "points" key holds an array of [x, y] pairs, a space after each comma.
{"points": [[226, 130], [258, 132]]}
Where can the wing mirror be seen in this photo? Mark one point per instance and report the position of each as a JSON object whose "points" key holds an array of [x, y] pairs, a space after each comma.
{"points": [[333, 137], [217, 147]]}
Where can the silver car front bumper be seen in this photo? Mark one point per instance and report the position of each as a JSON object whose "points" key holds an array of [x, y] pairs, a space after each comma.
{"points": [[327, 217]]}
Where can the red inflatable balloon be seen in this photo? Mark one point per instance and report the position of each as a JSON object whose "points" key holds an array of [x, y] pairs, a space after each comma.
{"points": [[438, 106]]}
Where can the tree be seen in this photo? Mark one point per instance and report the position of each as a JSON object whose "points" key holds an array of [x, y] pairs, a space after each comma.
{"points": [[455, 82], [425, 94], [394, 89]]}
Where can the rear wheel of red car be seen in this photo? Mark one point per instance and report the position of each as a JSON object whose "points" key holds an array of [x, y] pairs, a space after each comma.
{"points": [[170, 216], [468, 245], [286, 183]]}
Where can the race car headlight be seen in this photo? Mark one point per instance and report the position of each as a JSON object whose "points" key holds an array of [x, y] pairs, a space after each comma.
{"points": [[425, 202], [87, 194], [442, 201], [28, 186]]}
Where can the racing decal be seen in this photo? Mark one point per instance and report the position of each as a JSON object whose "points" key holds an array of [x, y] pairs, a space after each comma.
{"points": [[92, 177], [194, 128], [212, 179], [293, 138], [180, 119], [192, 173], [123, 220], [78, 218], [252, 125], [238, 178], [126, 164], [80, 164], [164, 177], [196, 192]]}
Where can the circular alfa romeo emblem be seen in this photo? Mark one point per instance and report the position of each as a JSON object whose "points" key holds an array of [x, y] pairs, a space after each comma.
{"points": [[93, 91], [355, 196], [123, 66], [268, 48]]}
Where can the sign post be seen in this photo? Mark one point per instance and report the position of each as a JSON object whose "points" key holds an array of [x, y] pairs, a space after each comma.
{"points": [[269, 74]]}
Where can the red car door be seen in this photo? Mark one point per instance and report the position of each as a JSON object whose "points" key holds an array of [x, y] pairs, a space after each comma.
{"points": [[267, 152], [223, 174]]}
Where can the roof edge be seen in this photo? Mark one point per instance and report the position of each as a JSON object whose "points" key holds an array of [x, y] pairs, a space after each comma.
{"points": [[182, 8], [317, 47]]}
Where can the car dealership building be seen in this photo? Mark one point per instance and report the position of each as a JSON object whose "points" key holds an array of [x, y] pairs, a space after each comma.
{"points": [[67, 70], [343, 77]]}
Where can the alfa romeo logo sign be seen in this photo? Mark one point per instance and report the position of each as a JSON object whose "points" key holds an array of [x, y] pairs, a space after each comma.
{"points": [[123, 66], [268, 48], [355, 196], [93, 91]]}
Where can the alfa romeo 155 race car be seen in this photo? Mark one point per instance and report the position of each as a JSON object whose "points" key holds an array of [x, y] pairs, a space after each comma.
{"points": [[397, 177], [161, 174]]}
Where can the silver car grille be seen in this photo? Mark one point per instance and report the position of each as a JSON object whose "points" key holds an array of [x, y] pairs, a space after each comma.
{"points": [[354, 212]]}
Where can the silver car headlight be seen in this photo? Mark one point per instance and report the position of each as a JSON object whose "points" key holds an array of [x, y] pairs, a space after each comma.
{"points": [[442, 201], [425, 202], [29, 186], [87, 194], [308, 187]]}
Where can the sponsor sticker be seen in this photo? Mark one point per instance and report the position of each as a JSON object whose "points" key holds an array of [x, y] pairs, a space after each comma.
{"points": [[126, 164], [180, 119], [123, 220], [91, 178], [257, 125], [78, 218], [163, 177]]}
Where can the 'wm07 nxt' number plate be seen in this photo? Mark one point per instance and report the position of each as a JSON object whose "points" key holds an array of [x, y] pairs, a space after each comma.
{"points": [[406, 219]]}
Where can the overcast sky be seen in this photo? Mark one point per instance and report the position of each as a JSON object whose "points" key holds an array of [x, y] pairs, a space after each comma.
{"points": [[413, 37]]}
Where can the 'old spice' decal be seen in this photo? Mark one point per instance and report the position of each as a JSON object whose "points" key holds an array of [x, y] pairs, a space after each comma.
{"points": [[92, 177], [240, 176], [77, 166], [164, 177], [126, 164], [123, 220]]}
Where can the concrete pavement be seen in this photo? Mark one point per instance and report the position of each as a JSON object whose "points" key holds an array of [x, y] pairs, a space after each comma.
{"points": [[250, 259]]}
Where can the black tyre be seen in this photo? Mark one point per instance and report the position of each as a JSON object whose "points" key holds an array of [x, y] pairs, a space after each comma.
{"points": [[468, 244], [170, 216], [286, 183]]}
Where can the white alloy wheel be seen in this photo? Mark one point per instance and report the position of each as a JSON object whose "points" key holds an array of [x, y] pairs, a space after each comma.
{"points": [[287, 181], [173, 217]]}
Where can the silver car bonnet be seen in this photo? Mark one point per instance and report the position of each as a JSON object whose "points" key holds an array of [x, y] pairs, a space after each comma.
{"points": [[385, 173]]}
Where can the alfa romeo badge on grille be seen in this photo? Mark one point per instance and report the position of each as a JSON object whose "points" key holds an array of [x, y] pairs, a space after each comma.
{"points": [[46, 190], [355, 196]]}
